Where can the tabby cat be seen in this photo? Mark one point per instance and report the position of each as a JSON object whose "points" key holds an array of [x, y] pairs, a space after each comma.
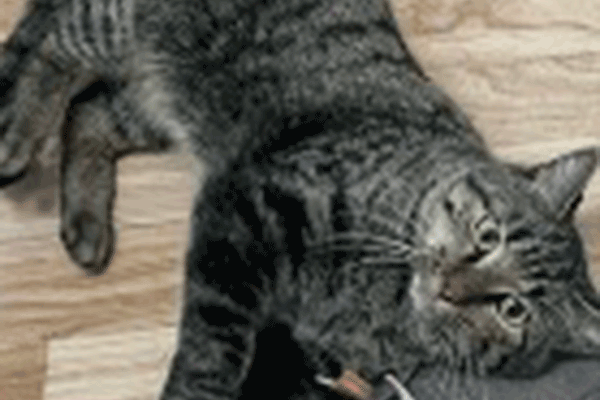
{"points": [[352, 218]]}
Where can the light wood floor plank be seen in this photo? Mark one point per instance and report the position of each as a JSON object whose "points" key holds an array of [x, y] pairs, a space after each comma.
{"points": [[125, 365], [23, 361]]}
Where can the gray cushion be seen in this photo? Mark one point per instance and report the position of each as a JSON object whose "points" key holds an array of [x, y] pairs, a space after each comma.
{"points": [[573, 380]]}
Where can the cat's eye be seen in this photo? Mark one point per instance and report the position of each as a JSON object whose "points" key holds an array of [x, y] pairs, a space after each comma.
{"points": [[513, 310], [519, 234], [538, 291], [490, 236], [486, 233]]}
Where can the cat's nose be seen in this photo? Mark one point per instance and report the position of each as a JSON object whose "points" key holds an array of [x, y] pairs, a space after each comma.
{"points": [[451, 293], [462, 284]]}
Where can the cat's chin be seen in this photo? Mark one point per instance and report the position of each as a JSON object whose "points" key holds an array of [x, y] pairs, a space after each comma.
{"points": [[426, 295]]}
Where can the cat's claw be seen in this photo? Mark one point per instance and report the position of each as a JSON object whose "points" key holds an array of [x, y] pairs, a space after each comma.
{"points": [[90, 243]]}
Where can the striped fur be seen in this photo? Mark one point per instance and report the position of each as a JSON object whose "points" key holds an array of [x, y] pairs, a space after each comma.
{"points": [[352, 216]]}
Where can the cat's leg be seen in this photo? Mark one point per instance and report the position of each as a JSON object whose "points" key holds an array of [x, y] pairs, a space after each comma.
{"points": [[226, 303], [32, 109], [77, 43], [58, 49], [100, 128], [36, 83], [215, 349], [92, 144], [37, 88], [93, 139], [87, 185]]}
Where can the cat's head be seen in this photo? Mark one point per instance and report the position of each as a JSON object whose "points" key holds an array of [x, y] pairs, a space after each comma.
{"points": [[504, 284]]}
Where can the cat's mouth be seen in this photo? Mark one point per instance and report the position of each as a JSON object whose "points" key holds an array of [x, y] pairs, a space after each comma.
{"points": [[444, 293], [477, 298]]}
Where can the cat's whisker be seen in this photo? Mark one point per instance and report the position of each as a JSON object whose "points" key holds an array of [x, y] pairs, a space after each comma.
{"points": [[470, 371], [446, 381], [365, 237], [384, 261], [481, 367], [396, 253], [455, 382]]}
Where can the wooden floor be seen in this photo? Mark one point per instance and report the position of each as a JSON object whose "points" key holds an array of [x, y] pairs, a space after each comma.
{"points": [[526, 71]]}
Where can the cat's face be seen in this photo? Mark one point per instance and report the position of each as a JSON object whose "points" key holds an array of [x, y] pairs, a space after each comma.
{"points": [[502, 281]]}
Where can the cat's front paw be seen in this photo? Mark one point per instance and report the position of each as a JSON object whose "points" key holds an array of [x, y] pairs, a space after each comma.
{"points": [[15, 146], [90, 241], [32, 108], [91, 148]]}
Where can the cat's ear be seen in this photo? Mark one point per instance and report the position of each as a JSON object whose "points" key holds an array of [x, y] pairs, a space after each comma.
{"points": [[583, 328], [561, 182]]}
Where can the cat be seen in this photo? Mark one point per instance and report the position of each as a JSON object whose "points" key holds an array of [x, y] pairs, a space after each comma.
{"points": [[352, 217]]}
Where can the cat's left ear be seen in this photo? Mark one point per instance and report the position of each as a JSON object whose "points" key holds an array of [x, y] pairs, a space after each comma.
{"points": [[561, 181]]}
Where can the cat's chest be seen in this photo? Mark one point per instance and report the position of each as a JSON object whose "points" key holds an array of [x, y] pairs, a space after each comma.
{"points": [[344, 180], [343, 315]]}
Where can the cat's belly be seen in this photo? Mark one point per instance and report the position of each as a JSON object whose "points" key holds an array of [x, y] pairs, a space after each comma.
{"points": [[335, 335]]}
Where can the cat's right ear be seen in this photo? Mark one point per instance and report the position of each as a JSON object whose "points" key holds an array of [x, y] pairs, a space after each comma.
{"points": [[561, 182]]}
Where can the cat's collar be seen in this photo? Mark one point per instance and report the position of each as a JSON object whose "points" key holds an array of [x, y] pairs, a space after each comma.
{"points": [[354, 387]]}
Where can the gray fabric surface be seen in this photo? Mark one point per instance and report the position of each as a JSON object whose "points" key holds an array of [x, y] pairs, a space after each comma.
{"points": [[574, 380]]}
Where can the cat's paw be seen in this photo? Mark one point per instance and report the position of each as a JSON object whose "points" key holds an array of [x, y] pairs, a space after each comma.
{"points": [[88, 185], [88, 190], [89, 240], [15, 149], [32, 109]]}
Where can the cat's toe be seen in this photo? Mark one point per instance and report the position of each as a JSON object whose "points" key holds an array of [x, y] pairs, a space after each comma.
{"points": [[90, 243]]}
